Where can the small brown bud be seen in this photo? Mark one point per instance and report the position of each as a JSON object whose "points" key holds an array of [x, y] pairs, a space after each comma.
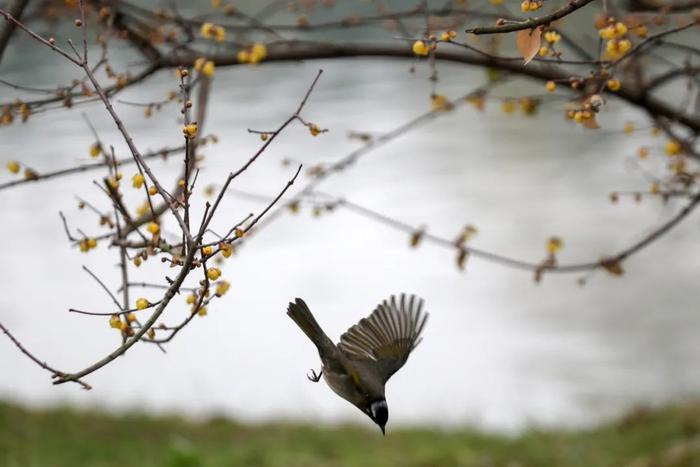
{"points": [[78, 23]]}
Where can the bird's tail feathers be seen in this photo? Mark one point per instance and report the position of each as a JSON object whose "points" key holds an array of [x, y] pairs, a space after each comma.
{"points": [[301, 315]]}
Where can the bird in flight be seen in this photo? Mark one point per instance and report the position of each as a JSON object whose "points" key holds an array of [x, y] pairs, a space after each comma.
{"points": [[368, 354]]}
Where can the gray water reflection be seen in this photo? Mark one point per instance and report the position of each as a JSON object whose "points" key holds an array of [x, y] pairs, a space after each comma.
{"points": [[498, 351]]}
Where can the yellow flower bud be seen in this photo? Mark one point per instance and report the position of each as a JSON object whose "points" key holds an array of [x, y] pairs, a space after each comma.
{"points": [[137, 180], [153, 228], [13, 167]]}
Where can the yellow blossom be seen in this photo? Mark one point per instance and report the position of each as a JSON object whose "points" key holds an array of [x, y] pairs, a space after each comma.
{"points": [[130, 317], [13, 167], [552, 37], [420, 48], [222, 287], [550, 86], [152, 190], [207, 30], [614, 84], [616, 48], [202, 311], [440, 102], [258, 53], [226, 249], [314, 129], [115, 322], [153, 228], [673, 147], [213, 273], [190, 131], [508, 106], [199, 63], [95, 150], [142, 303], [219, 34], [243, 56], [143, 209], [620, 29], [207, 250], [209, 68], [191, 299], [448, 35], [554, 244]]}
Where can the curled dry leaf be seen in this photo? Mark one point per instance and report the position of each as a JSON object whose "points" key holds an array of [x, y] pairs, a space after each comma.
{"points": [[591, 123], [462, 255], [528, 42], [416, 237], [613, 266]]}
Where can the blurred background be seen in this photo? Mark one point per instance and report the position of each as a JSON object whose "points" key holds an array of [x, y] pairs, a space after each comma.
{"points": [[500, 353]]}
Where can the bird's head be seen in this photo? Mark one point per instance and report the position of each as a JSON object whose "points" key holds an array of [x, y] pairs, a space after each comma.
{"points": [[379, 413]]}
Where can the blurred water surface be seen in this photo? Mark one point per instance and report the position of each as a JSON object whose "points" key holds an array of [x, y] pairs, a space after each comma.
{"points": [[499, 351]]}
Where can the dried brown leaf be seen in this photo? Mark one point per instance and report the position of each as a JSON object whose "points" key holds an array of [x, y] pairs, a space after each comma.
{"points": [[528, 42], [613, 266]]}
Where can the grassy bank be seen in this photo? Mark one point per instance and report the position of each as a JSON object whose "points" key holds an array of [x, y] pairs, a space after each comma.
{"points": [[64, 437]]}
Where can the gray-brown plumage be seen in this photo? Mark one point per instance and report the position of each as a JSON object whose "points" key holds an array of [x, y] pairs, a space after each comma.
{"points": [[369, 353]]}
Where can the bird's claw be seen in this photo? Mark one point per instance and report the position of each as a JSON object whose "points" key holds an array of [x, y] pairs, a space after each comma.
{"points": [[315, 378]]}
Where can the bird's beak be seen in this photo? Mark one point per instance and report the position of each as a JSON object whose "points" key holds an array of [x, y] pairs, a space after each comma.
{"points": [[383, 432]]}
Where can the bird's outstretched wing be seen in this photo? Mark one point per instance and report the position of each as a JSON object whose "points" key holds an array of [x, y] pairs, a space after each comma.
{"points": [[386, 337]]}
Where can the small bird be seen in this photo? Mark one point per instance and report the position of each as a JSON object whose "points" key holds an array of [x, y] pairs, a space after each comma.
{"points": [[358, 368]]}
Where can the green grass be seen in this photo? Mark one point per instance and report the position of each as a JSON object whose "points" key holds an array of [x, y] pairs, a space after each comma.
{"points": [[65, 437]]}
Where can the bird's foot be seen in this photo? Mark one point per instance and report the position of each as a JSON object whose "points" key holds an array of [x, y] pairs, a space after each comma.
{"points": [[315, 377]]}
